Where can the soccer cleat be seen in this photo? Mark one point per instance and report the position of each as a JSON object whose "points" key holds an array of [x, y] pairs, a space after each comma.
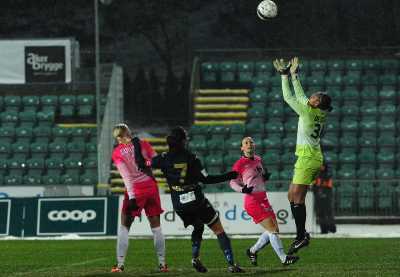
{"points": [[290, 260], [252, 257], [163, 268], [117, 268], [299, 243], [234, 268], [196, 263]]}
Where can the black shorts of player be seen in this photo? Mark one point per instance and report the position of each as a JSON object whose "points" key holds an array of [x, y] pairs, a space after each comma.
{"points": [[203, 213]]}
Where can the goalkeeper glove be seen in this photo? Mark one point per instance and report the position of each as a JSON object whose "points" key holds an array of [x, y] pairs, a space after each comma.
{"points": [[246, 189], [282, 67]]}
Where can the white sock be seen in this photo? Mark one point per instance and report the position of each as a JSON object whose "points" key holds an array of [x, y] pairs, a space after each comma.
{"points": [[122, 244], [159, 244], [261, 242], [276, 244]]}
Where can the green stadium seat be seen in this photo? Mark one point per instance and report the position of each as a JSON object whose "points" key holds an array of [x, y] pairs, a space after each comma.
{"points": [[351, 80], [388, 92], [385, 172], [386, 197], [67, 105], [276, 82], [24, 134], [256, 112], [198, 145], [349, 124], [386, 155], [332, 126], [27, 118], [61, 134], [369, 79], [350, 109], [346, 172], [69, 179], [368, 123], [351, 93], [233, 144], [318, 66], [369, 108], [286, 175], [348, 156], [274, 126], [35, 166], [271, 157], [209, 71], [12, 180], [255, 126], [315, 80], [261, 81], [288, 156], [275, 95], [219, 132], [259, 95], [276, 111], [237, 130], [369, 93], [330, 140], [72, 166], [390, 65], [7, 134], [9, 119], [229, 160], [366, 156], [366, 171], [367, 139], [366, 195], [86, 105], [387, 123], [291, 125], [214, 161], [215, 144], [333, 80], [354, 65], [388, 79], [88, 179], [387, 107], [12, 103], [228, 71], [20, 150], [304, 67], [199, 130], [79, 134], [16, 166], [335, 65], [39, 149], [91, 147], [54, 166], [76, 150], [57, 149], [346, 193], [387, 139], [349, 141], [371, 66], [51, 179], [49, 101], [31, 102], [245, 71], [5, 150], [264, 68], [272, 141], [42, 133], [46, 118]]}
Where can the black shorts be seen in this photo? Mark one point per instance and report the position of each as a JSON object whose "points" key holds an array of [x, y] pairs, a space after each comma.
{"points": [[203, 213]]}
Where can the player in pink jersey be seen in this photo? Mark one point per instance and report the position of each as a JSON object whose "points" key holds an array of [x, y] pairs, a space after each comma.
{"points": [[251, 181], [132, 158]]}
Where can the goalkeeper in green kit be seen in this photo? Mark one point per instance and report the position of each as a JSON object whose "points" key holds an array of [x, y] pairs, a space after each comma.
{"points": [[312, 115]]}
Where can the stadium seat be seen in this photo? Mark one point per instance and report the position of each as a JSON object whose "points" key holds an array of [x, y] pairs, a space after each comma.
{"points": [[272, 141], [76, 150], [276, 111], [388, 79], [387, 123], [369, 93], [255, 126], [20, 150], [286, 175], [291, 125], [12, 180], [233, 144], [371, 66], [386, 155], [385, 172], [332, 126], [79, 134], [351, 80], [35, 167], [42, 133], [67, 105], [369, 107], [51, 179], [24, 134], [271, 157], [387, 139], [88, 179], [198, 145], [366, 171], [274, 126], [245, 71], [12, 103], [237, 130], [366, 156], [348, 156], [304, 67], [3, 167], [315, 80], [261, 81], [69, 179], [215, 144], [387, 107], [387, 92], [264, 67], [199, 130], [86, 105], [259, 95], [333, 80], [228, 71], [354, 65], [349, 141], [209, 71], [387, 197], [288, 156], [369, 79], [318, 67], [390, 66], [46, 118], [256, 112], [61, 134], [27, 118], [275, 95], [5, 150], [229, 160], [349, 124], [336, 66], [54, 166], [31, 102], [350, 109], [346, 196], [367, 139], [57, 149], [347, 171], [368, 123], [39, 149], [9, 119], [7, 134], [16, 166], [330, 140], [366, 196]]}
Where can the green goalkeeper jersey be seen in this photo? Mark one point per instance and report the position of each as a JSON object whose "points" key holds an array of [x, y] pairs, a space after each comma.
{"points": [[311, 120]]}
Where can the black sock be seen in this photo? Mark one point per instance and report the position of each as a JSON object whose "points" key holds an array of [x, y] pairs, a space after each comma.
{"points": [[299, 213], [196, 249], [225, 244]]}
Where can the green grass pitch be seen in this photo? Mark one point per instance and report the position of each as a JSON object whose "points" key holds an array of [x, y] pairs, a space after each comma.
{"points": [[324, 257]]}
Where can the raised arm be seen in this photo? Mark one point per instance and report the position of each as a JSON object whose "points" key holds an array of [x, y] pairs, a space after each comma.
{"points": [[298, 89], [290, 99], [204, 178]]}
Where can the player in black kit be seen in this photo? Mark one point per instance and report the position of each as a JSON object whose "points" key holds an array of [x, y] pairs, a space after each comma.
{"points": [[183, 171]]}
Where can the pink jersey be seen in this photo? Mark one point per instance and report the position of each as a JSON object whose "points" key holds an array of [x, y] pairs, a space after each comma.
{"points": [[250, 173], [123, 157]]}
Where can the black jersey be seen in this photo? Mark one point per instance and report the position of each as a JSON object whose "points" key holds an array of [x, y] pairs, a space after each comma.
{"points": [[183, 171]]}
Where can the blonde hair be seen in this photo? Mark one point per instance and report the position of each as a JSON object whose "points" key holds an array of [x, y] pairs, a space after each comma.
{"points": [[121, 130]]}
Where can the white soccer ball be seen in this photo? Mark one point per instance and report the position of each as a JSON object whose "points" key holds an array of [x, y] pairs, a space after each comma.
{"points": [[267, 9]]}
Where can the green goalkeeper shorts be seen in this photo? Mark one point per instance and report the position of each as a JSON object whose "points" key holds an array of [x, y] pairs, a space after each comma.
{"points": [[306, 171]]}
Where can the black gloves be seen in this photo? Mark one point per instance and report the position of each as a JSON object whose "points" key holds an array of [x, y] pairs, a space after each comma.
{"points": [[132, 205], [246, 189], [282, 67], [232, 175]]}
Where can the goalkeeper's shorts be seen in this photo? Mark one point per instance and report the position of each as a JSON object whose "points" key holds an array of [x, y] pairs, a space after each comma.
{"points": [[306, 170]]}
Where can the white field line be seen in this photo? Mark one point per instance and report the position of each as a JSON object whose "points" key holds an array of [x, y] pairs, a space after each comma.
{"points": [[56, 267]]}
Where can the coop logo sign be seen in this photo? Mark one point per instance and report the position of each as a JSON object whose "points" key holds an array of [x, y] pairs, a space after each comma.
{"points": [[44, 64], [57, 216], [76, 215]]}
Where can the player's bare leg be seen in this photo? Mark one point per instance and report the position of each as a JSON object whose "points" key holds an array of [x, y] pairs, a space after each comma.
{"points": [[159, 241], [122, 242], [225, 244], [297, 195]]}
